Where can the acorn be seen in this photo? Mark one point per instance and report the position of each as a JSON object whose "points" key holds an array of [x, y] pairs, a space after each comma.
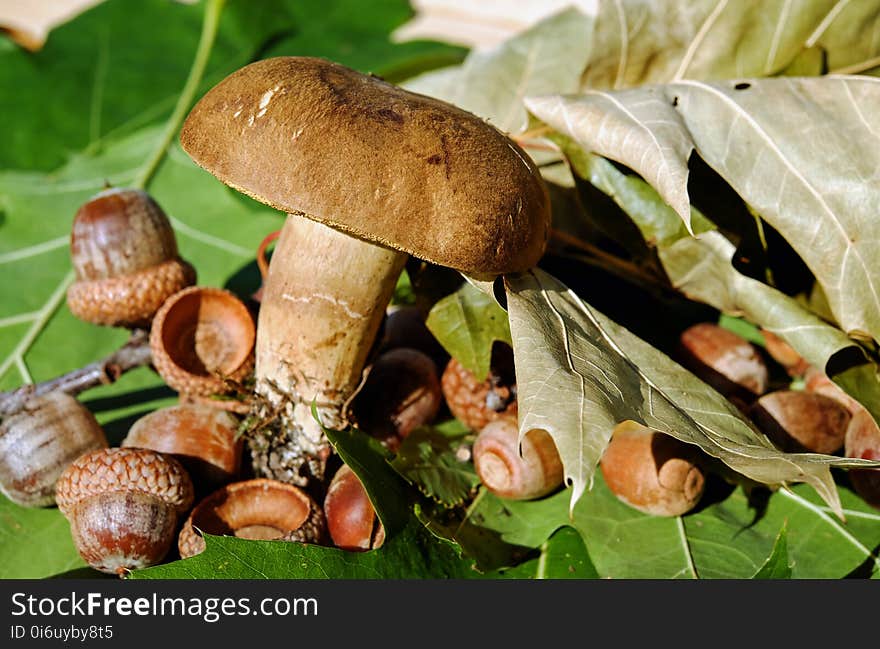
{"points": [[476, 402], [259, 509], [123, 506], [202, 339], [784, 354], [38, 442], [351, 519], [508, 472], [202, 438], [863, 441], [727, 362], [799, 422], [653, 472], [401, 393], [126, 260]]}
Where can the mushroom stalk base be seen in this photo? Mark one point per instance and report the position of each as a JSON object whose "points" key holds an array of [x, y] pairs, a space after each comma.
{"points": [[323, 303]]}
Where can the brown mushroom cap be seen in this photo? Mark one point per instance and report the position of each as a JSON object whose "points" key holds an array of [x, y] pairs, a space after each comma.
{"points": [[389, 166]]}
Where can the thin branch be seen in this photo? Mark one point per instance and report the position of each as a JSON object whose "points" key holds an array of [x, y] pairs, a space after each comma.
{"points": [[135, 353]]}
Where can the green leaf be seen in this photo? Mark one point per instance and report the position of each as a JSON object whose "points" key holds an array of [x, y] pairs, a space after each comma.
{"points": [[35, 543], [602, 375], [729, 536], [430, 459], [777, 565], [466, 323], [562, 556]]}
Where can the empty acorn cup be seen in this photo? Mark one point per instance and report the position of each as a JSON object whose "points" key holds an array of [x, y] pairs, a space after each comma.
{"points": [[201, 338], [258, 509]]}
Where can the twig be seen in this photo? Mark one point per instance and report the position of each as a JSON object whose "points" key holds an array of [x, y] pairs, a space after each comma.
{"points": [[135, 353]]}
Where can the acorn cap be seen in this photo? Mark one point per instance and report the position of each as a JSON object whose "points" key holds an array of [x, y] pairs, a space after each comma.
{"points": [[201, 336], [124, 469], [386, 165], [260, 509]]}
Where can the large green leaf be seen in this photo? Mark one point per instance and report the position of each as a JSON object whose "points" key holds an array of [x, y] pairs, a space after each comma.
{"points": [[730, 536], [800, 151], [601, 375]]}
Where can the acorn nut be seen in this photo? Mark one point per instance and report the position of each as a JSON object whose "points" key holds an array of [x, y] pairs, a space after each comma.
{"points": [[863, 441], [799, 422], [401, 393], [651, 471], [726, 361], [533, 473], [125, 255], [202, 438], [259, 509], [351, 519], [477, 402], [123, 506], [38, 442]]}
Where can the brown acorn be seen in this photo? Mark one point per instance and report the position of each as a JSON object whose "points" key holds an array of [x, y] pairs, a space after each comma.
{"points": [[476, 402], [258, 509], [38, 442], [351, 519], [201, 437], [651, 471], [201, 338], [724, 360], [401, 393], [863, 441], [125, 255], [123, 506], [784, 354], [798, 421], [508, 473]]}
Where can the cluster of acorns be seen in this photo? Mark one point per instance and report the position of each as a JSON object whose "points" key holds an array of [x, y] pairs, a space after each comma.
{"points": [[180, 470]]}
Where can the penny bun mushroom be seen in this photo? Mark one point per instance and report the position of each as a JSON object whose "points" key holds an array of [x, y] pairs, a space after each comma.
{"points": [[368, 173]]}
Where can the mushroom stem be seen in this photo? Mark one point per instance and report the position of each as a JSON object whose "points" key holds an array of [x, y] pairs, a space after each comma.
{"points": [[323, 303]]}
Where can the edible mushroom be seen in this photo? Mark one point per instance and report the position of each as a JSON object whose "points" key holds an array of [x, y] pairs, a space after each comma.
{"points": [[368, 173]]}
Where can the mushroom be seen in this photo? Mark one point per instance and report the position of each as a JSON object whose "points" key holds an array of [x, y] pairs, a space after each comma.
{"points": [[367, 173]]}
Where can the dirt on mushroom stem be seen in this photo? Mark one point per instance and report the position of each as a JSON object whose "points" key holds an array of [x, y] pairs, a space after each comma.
{"points": [[323, 303]]}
